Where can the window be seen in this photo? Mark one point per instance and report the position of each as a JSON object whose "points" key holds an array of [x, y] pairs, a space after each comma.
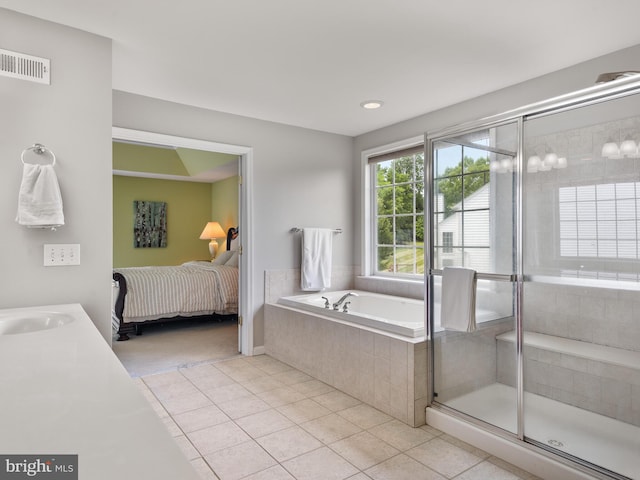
{"points": [[398, 212], [599, 221]]}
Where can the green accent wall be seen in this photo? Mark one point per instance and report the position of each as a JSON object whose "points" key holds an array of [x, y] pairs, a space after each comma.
{"points": [[179, 161], [224, 203], [198, 161], [141, 158], [188, 211]]}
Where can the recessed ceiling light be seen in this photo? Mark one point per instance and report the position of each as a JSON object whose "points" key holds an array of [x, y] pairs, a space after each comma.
{"points": [[372, 104]]}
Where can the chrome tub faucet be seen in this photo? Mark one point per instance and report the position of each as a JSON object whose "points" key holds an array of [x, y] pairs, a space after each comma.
{"points": [[336, 305]]}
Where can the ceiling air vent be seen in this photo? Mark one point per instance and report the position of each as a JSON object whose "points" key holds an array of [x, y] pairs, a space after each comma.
{"points": [[25, 67]]}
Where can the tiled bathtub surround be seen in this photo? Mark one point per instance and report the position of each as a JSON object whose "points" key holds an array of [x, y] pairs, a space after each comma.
{"points": [[356, 359], [281, 283], [385, 371], [257, 418], [391, 286]]}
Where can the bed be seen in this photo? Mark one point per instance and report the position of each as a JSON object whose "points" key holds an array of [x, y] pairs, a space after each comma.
{"points": [[152, 294]]}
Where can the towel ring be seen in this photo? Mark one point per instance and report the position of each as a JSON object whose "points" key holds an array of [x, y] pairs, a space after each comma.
{"points": [[39, 149]]}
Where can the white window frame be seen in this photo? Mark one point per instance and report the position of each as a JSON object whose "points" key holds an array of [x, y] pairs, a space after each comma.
{"points": [[368, 227], [604, 231]]}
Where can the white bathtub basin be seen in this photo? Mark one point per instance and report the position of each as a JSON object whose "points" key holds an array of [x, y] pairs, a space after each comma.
{"points": [[27, 322]]}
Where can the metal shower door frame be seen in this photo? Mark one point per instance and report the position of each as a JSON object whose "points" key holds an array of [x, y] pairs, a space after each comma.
{"points": [[590, 96]]}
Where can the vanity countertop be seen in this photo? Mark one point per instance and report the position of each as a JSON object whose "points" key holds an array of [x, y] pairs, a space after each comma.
{"points": [[63, 391]]}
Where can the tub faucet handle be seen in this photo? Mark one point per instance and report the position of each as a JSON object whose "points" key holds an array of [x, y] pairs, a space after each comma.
{"points": [[345, 307], [326, 302]]}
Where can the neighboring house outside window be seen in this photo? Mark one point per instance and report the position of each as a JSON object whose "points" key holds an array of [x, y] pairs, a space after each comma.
{"points": [[462, 192]]}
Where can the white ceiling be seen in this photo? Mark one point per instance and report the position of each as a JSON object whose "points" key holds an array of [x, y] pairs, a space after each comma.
{"points": [[311, 63]]}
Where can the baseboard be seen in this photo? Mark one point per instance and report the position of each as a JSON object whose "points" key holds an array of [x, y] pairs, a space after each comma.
{"points": [[519, 455], [259, 350]]}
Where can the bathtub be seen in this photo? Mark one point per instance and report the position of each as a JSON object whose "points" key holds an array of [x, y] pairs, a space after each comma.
{"points": [[402, 316]]}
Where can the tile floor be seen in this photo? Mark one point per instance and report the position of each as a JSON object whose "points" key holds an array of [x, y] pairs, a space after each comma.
{"points": [[170, 345], [258, 418]]}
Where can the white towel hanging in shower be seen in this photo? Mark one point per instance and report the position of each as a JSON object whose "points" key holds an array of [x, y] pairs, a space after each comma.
{"points": [[458, 307]]}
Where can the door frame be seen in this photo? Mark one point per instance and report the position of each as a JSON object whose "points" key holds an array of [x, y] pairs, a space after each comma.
{"points": [[245, 155]]}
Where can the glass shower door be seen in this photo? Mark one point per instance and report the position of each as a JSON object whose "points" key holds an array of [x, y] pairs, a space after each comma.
{"points": [[473, 212], [581, 209]]}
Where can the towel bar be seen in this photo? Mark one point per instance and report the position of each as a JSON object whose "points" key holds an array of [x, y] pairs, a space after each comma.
{"points": [[39, 149], [298, 229], [497, 277]]}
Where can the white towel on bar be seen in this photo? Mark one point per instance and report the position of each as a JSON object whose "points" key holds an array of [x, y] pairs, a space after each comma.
{"points": [[315, 271], [39, 199], [458, 307]]}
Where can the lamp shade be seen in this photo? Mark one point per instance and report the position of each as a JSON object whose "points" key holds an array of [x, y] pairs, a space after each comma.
{"points": [[212, 230]]}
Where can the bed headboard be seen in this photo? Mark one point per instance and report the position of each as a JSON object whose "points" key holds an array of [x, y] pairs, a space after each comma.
{"points": [[232, 233]]}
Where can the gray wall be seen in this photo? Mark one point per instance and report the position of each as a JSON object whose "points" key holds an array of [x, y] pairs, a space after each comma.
{"points": [[301, 178], [72, 116]]}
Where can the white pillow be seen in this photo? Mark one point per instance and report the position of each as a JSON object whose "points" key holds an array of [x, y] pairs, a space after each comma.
{"points": [[233, 261], [234, 244], [222, 258]]}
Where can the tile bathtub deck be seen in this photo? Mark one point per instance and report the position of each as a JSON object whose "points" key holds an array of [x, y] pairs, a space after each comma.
{"points": [[258, 418]]}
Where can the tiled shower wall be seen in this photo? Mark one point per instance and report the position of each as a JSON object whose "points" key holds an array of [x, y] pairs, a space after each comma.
{"points": [[594, 315], [604, 388], [604, 316], [601, 314], [466, 362]]}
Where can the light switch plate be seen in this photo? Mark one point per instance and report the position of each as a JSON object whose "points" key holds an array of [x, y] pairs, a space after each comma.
{"points": [[61, 254]]}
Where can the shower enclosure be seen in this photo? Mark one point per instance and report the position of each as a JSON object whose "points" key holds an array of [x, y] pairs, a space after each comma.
{"points": [[544, 203]]}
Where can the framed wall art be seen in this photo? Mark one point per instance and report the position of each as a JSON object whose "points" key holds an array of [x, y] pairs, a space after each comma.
{"points": [[149, 224]]}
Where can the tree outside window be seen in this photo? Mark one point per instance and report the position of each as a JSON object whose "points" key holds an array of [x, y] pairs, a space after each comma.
{"points": [[400, 214]]}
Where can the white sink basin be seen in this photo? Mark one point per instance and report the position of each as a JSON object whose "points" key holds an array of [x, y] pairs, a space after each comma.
{"points": [[27, 322]]}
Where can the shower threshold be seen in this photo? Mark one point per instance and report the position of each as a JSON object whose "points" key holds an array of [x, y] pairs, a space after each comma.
{"points": [[600, 440]]}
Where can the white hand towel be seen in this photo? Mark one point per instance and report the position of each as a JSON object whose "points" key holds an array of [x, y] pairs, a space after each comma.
{"points": [[39, 199], [458, 308], [315, 271]]}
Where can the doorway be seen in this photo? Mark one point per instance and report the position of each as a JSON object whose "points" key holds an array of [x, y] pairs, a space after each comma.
{"points": [[244, 155]]}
